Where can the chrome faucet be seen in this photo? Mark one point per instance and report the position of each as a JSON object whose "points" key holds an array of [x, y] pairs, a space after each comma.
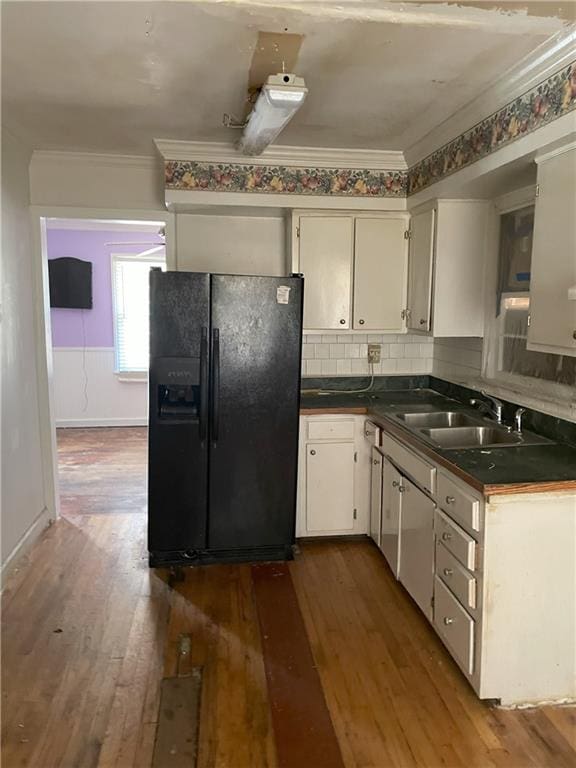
{"points": [[495, 411], [518, 420]]}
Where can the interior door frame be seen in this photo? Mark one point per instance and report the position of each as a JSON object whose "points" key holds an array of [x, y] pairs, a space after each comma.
{"points": [[44, 360]]}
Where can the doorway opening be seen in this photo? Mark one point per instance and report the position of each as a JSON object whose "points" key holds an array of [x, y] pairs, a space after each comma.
{"points": [[97, 352]]}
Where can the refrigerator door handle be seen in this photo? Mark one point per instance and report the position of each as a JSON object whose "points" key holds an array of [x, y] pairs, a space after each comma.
{"points": [[203, 423], [215, 383]]}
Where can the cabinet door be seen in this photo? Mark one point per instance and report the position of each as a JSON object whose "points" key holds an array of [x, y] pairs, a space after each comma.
{"points": [[417, 546], [329, 487], [376, 495], [553, 272], [420, 265], [325, 259], [391, 515], [379, 273]]}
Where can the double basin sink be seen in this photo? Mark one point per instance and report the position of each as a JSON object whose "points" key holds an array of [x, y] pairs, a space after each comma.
{"points": [[456, 429]]}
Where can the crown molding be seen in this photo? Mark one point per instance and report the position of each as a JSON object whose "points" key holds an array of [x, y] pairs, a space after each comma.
{"points": [[316, 157], [144, 162], [550, 57], [560, 150]]}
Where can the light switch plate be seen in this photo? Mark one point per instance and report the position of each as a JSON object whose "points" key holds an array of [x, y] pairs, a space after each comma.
{"points": [[374, 353]]}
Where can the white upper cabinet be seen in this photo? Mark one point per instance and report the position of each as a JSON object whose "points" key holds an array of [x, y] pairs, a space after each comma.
{"points": [[553, 271], [379, 273], [326, 246], [446, 268], [420, 271], [354, 269]]}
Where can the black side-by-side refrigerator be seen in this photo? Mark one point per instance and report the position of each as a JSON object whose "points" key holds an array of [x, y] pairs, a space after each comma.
{"points": [[225, 354]]}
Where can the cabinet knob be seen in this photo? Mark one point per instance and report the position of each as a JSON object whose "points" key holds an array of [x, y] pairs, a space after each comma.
{"points": [[448, 621], [448, 571], [422, 321], [312, 453], [375, 461], [450, 499], [395, 483], [342, 322], [361, 322], [446, 536], [401, 488]]}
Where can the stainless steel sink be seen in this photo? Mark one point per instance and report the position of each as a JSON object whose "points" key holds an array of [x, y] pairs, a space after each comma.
{"points": [[438, 419], [479, 436]]}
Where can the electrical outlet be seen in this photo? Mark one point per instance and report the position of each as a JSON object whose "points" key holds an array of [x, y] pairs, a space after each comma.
{"points": [[374, 353]]}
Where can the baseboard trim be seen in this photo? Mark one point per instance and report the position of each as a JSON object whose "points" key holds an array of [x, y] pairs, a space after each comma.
{"points": [[25, 544], [135, 421]]}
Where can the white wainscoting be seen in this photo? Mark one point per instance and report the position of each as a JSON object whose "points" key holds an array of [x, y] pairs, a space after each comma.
{"points": [[87, 392]]}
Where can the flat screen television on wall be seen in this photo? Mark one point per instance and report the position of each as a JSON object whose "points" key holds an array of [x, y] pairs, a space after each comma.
{"points": [[70, 283]]}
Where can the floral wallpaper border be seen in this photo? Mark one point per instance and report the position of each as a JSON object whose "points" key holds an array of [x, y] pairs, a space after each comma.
{"points": [[544, 103], [278, 179]]}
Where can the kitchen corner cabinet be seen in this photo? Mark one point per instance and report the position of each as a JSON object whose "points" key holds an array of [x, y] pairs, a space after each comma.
{"points": [[446, 268], [333, 476], [354, 267], [329, 487], [553, 272]]}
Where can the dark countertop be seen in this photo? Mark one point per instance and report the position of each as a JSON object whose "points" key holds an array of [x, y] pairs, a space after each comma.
{"points": [[527, 469]]}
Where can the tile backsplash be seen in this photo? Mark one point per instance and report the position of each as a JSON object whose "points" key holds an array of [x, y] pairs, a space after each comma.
{"points": [[345, 355]]}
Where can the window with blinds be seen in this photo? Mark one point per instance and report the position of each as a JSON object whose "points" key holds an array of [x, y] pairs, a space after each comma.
{"points": [[131, 309]]}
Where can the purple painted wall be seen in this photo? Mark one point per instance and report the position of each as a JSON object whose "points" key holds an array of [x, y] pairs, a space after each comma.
{"points": [[90, 245]]}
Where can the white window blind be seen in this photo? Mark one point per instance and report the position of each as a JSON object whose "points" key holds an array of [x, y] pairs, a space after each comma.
{"points": [[130, 290]]}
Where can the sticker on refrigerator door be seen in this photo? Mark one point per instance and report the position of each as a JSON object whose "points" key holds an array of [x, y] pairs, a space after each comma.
{"points": [[282, 294]]}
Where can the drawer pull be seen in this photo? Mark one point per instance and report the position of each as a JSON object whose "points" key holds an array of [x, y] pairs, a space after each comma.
{"points": [[450, 499], [312, 453], [447, 571], [446, 536], [448, 621]]}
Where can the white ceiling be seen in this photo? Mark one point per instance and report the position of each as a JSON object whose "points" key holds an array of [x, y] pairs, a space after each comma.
{"points": [[111, 76]]}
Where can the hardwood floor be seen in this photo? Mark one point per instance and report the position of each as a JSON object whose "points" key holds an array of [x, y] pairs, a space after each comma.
{"points": [[89, 631]]}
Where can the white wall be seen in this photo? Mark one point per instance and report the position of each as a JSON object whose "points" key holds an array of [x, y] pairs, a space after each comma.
{"points": [[87, 392], [23, 509], [231, 244], [75, 179], [458, 359]]}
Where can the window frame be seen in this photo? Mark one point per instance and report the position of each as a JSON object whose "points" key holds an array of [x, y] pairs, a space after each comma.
{"points": [[128, 375], [530, 388]]}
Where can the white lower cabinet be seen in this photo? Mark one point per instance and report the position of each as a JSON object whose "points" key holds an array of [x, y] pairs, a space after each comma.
{"points": [[333, 476], [416, 571], [376, 496], [454, 625], [329, 487], [391, 515]]}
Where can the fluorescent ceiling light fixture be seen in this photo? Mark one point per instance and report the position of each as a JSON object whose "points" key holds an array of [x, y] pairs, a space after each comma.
{"points": [[277, 103]]}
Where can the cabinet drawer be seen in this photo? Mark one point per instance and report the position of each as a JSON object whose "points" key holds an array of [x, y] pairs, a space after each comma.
{"points": [[457, 579], [331, 430], [422, 472], [457, 503], [454, 625], [462, 546]]}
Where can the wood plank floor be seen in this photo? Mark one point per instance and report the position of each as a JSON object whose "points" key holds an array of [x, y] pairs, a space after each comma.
{"points": [[88, 632]]}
